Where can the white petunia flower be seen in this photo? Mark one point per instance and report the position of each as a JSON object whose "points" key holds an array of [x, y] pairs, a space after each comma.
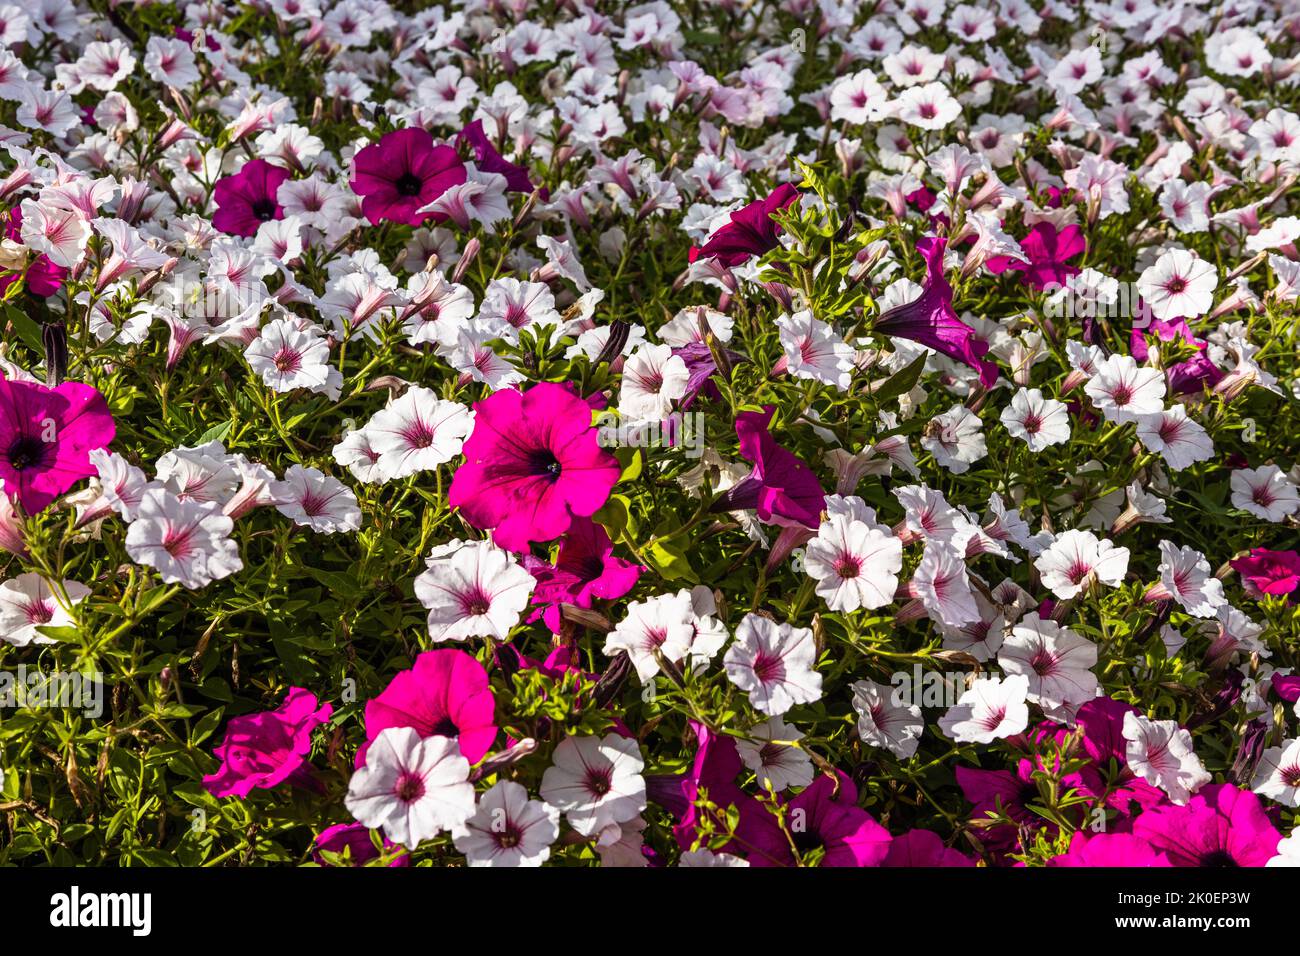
{"points": [[508, 829], [478, 590], [991, 709], [1160, 752], [312, 498], [774, 664], [412, 788], [595, 781]]}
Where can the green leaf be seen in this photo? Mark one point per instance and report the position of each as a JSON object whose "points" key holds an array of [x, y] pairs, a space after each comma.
{"points": [[27, 328], [901, 382], [216, 433]]}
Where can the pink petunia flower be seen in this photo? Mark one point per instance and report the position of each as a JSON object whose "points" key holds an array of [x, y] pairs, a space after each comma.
{"points": [[248, 198], [532, 464], [264, 750], [1048, 252], [1109, 849], [585, 569], [402, 173], [446, 693], [1268, 572], [43, 277], [46, 436], [1221, 826]]}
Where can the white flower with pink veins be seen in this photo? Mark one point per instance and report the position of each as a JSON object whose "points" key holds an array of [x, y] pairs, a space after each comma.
{"points": [[28, 602]]}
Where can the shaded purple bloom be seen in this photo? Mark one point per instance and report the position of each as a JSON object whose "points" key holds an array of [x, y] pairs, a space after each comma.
{"points": [[585, 568], [781, 488], [700, 367], [930, 320], [1188, 375], [355, 838], [751, 232], [489, 160]]}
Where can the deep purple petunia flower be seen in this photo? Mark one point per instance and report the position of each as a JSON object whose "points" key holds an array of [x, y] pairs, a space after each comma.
{"points": [[264, 750], [354, 837], [1220, 826], [532, 464], [446, 693], [46, 437], [585, 568], [751, 232], [487, 159], [1102, 722], [403, 172], [930, 319], [1187, 375], [781, 488], [248, 198]]}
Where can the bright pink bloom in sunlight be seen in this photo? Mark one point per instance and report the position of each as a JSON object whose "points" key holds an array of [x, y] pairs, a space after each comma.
{"points": [[264, 750], [1048, 252], [532, 464], [930, 319], [751, 232], [781, 488], [403, 172], [1109, 849], [585, 569], [1221, 826], [248, 198], [446, 693], [1269, 572], [43, 277], [46, 437]]}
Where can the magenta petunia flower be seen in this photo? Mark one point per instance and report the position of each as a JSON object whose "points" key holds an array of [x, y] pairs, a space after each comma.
{"points": [[781, 488], [1188, 375], [833, 822], [585, 568], [248, 198], [714, 769], [923, 848], [355, 838], [751, 232], [1220, 826], [1269, 572], [930, 319], [532, 464], [488, 160], [43, 277], [46, 437], [446, 693], [1049, 253], [1102, 722], [1109, 849], [264, 750], [402, 173]]}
